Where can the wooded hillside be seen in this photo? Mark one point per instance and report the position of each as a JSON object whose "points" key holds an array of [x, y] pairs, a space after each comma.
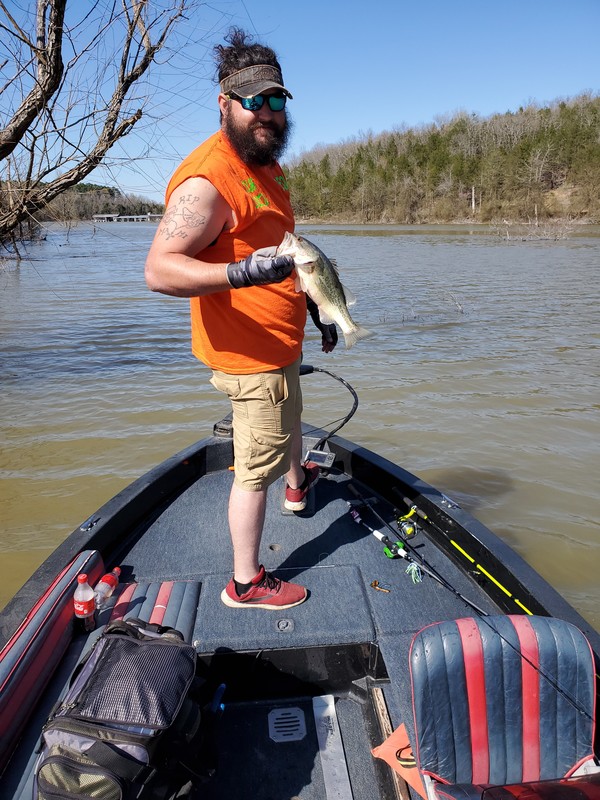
{"points": [[536, 163]]}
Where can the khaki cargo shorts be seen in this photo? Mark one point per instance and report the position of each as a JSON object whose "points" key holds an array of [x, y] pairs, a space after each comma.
{"points": [[265, 409]]}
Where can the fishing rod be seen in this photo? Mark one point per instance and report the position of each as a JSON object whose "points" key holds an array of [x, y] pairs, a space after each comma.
{"points": [[391, 549], [399, 548], [404, 549]]}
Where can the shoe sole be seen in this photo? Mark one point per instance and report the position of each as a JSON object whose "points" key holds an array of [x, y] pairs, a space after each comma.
{"points": [[268, 607], [291, 506]]}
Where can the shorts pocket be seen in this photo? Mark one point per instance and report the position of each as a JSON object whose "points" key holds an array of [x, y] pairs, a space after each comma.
{"points": [[269, 455], [275, 388], [229, 384]]}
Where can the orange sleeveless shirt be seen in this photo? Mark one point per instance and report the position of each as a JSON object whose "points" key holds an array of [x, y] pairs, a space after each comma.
{"points": [[259, 328]]}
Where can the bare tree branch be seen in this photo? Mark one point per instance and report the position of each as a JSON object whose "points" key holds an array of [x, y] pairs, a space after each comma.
{"points": [[73, 113], [48, 51]]}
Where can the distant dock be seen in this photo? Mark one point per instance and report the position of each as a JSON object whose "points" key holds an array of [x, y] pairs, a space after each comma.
{"points": [[126, 217]]}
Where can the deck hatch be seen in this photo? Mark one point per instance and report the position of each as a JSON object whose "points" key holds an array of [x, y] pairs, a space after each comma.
{"points": [[287, 724]]}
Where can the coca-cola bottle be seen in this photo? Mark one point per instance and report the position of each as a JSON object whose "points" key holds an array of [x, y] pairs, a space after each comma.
{"points": [[84, 603], [106, 586]]}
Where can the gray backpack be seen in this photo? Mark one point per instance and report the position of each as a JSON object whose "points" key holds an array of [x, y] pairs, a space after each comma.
{"points": [[126, 723]]}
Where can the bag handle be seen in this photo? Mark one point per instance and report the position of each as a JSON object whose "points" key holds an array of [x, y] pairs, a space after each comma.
{"points": [[108, 757], [138, 629]]}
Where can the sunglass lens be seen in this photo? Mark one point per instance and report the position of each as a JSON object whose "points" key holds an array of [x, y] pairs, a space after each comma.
{"points": [[252, 103], [277, 102]]}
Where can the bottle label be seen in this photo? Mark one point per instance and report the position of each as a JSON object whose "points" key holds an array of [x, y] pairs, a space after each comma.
{"points": [[84, 608]]}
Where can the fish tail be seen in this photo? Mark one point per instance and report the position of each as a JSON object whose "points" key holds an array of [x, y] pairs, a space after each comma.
{"points": [[357, 333]]}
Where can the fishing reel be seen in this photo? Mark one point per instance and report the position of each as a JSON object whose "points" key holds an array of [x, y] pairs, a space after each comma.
{"points": [[395, 550], [407, 526]]}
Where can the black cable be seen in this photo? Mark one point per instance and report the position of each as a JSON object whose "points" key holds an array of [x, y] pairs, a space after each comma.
{"points": [[321, 443]]}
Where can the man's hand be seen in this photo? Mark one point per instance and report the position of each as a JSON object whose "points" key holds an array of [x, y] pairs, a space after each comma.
{"points": [[329, 332], [262, 266], [329, 338]]}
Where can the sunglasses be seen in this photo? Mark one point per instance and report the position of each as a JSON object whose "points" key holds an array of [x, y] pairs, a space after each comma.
{"points": [[276, 101]]}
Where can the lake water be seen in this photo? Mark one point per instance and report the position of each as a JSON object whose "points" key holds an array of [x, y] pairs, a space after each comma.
{"points": [[482, 378]]}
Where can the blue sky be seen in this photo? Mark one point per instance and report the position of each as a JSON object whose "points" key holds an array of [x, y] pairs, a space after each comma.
{"points": [[355, 67]]}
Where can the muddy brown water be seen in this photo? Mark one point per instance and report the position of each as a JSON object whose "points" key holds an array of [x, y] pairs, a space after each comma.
{"points": [[482, 378]]}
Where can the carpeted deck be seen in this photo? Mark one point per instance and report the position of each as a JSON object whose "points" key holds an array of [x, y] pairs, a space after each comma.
{"points": [[345, 629]]}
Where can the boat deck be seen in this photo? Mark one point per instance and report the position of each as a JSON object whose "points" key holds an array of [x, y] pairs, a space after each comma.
{"points": [[272, 662], [344, 621]]}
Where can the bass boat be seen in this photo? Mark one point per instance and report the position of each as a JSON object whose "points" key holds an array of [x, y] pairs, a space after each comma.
{"points": [[429, 659]]}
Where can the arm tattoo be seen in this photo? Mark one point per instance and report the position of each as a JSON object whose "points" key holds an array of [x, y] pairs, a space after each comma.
{"points": [[177, 222]]}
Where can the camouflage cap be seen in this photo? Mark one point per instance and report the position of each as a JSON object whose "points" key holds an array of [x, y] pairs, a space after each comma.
{"points": [[250, 81]]}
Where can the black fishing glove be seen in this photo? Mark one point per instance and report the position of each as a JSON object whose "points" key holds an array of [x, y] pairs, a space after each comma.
{"points": [[328, 332], [262, 266]]}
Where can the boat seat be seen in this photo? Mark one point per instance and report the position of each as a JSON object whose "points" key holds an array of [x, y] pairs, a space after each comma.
{"points": [[170, 603], [501, 700]]}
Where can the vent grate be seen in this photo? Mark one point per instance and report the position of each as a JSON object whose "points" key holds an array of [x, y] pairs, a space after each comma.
{"points": [[287, 724]]}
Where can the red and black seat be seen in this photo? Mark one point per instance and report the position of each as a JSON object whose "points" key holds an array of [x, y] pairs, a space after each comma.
{"points": [[501, 700]]}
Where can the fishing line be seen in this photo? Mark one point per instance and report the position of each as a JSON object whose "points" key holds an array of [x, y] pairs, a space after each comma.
{"points": [[249, 17]]}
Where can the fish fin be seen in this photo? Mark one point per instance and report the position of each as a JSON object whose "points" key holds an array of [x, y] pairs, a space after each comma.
{"points": [[325, 318], [301, 282], [354, 336], [349, 296]]}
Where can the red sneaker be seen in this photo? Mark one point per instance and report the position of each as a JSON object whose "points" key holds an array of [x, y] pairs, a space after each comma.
{"points": [[266, 591], [295, 499]]}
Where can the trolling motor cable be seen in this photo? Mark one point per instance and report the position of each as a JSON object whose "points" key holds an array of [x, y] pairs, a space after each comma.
{"points": [[306, 369]]}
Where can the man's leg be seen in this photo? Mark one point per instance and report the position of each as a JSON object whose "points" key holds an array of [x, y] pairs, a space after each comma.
{"points": [[247, 515], [251, 586], [300, 477], [246, 520], [259, 405], [295, 476]]}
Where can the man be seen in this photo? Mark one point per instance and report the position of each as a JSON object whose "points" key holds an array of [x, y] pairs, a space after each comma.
{"points": [[228, 209]]}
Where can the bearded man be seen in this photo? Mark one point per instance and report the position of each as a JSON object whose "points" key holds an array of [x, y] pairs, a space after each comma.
{"points": [[228, 209]]}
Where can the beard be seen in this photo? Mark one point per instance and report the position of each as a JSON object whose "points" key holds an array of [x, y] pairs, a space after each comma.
{"points": [[259, 144]]}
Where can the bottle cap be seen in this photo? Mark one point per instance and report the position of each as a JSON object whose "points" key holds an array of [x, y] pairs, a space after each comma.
{"points": [[117, 570], [82, 578]]}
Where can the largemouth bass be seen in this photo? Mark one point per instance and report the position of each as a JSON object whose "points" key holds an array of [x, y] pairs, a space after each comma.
{"points": [[318, 277]]}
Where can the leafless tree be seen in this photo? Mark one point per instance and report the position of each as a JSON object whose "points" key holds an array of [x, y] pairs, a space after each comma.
{"points": [[72, 83]]}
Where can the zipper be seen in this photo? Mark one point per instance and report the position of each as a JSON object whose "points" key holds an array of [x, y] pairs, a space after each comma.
{"points": [[92, 729]]}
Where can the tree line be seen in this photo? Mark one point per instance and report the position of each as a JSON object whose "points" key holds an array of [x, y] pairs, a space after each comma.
{"points": [[535, 163], [538, 163]]}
